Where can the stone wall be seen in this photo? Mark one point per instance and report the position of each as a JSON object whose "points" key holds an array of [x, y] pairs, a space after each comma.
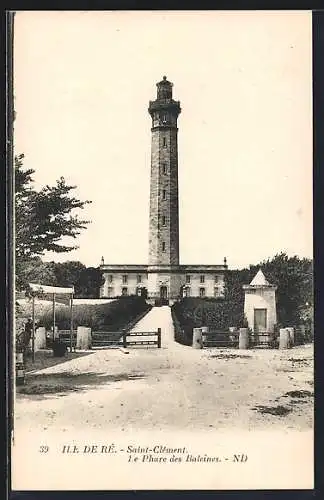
{"points": [[173, 281], [117, 283], [212, 287]]}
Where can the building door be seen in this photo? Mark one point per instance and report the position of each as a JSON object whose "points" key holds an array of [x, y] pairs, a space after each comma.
{"points": [[260, 320], [164, 295]]}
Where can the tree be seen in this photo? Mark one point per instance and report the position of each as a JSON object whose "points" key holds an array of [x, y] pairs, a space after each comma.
{"points": [[68, 273], [44, 217], [33, 270], [89, 282]]}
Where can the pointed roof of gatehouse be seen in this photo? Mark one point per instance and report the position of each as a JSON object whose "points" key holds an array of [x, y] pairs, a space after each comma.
{"points": [[259, 279]]}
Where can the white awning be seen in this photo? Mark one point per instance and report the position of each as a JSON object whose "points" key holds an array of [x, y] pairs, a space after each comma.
{"points": [[50, 289]]}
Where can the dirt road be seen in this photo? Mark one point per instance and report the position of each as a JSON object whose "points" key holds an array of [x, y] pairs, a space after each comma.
{"points": [[175, 387]]}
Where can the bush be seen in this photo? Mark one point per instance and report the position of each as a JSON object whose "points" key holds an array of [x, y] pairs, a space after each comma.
{"points": [[111, 316]]}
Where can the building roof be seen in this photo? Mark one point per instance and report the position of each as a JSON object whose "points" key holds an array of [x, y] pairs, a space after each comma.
{"points": [[259, 279], [181, 268], [50, 289], [165, 81]]}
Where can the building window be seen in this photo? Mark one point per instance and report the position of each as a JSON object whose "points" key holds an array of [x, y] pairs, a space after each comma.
{"points": [[163, 246], [110, 278], [125, 279], [201, 292], [163, 220], [202, 279], [110, 291], [216, 279], [139, 278], [124, 290], [165, 168], [187, 291], [163, 194], [164, 117], [188, 277], [164, 142], [216, 292]]}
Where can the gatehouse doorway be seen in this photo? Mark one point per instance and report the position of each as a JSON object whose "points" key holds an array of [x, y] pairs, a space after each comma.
{"points": [[260, 320]]}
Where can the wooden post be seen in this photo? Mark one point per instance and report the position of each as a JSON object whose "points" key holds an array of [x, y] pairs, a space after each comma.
{"points": [[71, 323], [53, 317], [301, 334], [204, 334], [33, 337], [124, 339], [291, 331], [159, 337]]}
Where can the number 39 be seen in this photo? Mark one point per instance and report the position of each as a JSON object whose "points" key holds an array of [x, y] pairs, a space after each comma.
{"points": [[43, 449]]}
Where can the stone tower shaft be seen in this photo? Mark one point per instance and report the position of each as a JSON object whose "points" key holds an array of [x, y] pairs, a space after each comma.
{"points": [[164, 202]]}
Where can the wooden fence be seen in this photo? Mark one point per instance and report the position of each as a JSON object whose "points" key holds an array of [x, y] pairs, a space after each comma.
{"points": [[263, 339], [126, 339], [303, 334], [220, 338], [106, 339], [154, 342], [65, 336]]}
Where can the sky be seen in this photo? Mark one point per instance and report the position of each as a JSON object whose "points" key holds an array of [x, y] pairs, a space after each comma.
{"points": [[82, 84]]}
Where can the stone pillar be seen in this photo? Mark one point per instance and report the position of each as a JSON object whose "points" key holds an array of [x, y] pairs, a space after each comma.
{"points": [[244, 338], [40, 338], [284, 338], [291, 331], [197, 338], [83, 338]]}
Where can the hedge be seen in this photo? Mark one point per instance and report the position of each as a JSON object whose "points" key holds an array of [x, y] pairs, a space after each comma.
{"points": [[194, 312], [112, 316]]}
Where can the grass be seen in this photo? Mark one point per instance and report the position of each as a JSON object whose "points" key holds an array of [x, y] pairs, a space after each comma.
{"points": [[279, 410], [44, 359], [298, 360], [230, 356], [298, 397], [60, 384], [299, 394]]}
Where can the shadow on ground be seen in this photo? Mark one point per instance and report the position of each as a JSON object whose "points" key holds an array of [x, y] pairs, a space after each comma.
{"points": [[45, 359], [60, 384]]}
